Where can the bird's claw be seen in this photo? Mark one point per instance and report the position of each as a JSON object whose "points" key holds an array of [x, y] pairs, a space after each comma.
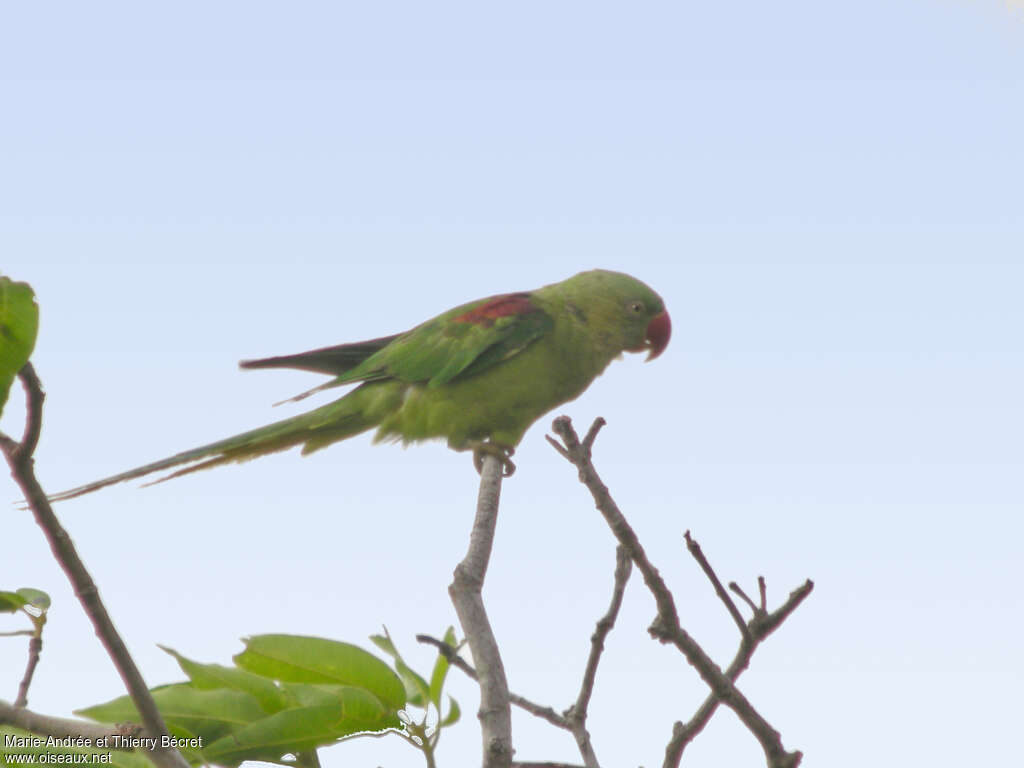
{"points": [[481, 449]]}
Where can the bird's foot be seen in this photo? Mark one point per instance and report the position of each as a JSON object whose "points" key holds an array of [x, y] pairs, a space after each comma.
{"points": [[483, 448]]}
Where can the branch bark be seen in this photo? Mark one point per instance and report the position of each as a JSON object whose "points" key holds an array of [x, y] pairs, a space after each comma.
{"points": [[19, 457], [495, 711]]}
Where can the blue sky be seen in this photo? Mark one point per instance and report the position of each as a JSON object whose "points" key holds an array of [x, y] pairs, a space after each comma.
{"points": [[828, 198]]}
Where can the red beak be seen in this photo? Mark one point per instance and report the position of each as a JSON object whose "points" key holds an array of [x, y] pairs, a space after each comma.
{"points": [[659, 331]]}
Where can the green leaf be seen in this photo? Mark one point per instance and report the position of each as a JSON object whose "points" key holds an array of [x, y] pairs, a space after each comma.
{"points": [[437, 677], [35, 597], [417, 692], [453, 714], [384, 643], [331, 712], [19, 324], [187, 710], [214, 676], [11, 602], [297, 659]]}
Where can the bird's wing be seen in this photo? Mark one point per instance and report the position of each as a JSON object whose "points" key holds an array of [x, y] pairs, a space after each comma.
{"points": [[333, 360], [461, 342]]}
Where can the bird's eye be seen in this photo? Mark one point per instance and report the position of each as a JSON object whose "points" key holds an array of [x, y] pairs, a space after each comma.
{"points": [[636, 306]]}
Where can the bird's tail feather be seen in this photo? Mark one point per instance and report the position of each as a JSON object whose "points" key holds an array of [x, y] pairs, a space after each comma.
{"points": [[334, 421]]}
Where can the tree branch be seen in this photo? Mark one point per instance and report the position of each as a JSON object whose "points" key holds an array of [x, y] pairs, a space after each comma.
{"points": [[666, 627], [576, 715], [754, 632], [35, 647], [452, 655], [698, 555], [19, 457], [465, 590], [59, 727]]}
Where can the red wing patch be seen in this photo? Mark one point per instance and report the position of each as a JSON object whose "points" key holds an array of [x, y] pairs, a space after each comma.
{"points": [[499, 306]]}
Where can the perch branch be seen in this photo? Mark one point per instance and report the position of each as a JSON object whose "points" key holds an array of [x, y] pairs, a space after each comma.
{"points": [[19, 456], [666, 627], [465, 590]]}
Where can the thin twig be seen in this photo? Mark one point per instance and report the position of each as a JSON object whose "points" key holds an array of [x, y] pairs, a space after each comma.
{"points": [[452, 655], [60, 727], [743, 595], [19, 456], [698, 554], [576, 715], [591, 436], [35, 647], [465, 590], [557, 446], [666, 627]]}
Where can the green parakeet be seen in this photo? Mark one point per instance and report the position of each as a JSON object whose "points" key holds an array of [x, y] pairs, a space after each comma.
{"points": [[478, 375]]}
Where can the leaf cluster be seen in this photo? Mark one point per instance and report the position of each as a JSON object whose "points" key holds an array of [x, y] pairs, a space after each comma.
{"points": [[286, 695]]}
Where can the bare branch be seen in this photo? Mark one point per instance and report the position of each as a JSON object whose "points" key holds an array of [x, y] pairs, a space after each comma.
{"points": [[666, 627], [759, 628], [35, 647], [698, 555], [60, 727], [739, 591], [19, 457], [591, 436], [452, 654], [576, 715], [557, 446], [465, 590]]}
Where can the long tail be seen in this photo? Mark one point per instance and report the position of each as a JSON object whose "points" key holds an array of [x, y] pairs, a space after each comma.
{"points": [[325, 425]]}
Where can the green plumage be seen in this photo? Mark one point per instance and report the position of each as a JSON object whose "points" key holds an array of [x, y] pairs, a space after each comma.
{"points": [[482, 372]]}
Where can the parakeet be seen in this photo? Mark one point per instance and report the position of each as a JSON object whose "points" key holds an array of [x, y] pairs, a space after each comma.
{"points": [[478, 375]]}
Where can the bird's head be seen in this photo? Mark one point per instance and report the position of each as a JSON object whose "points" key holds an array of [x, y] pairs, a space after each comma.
{"points": [[631, 315]]}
